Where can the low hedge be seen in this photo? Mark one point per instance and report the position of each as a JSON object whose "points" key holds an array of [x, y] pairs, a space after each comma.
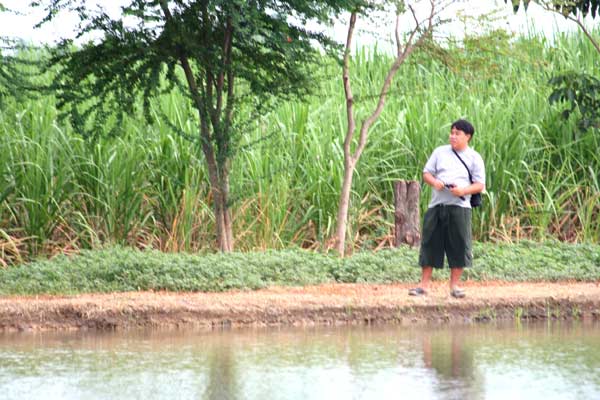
{"points": [[118, 269]]}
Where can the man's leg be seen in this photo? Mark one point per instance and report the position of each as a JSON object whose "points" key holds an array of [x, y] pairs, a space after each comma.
{"points": [[455, 274], [432, 250], [423, 287], [459, 247], [426, 273]]}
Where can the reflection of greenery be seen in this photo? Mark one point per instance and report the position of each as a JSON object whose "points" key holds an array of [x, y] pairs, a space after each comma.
{"points": [[222, 365], [450, 353], [221, 374], [451, 357]]}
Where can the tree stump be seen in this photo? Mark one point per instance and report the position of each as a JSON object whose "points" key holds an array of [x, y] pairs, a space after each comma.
{"points": [[407, 215]]}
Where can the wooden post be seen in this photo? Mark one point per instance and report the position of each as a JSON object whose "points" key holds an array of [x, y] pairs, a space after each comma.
{"points": [[407, 215]]}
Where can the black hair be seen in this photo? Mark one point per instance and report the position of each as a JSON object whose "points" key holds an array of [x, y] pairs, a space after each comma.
{"points": [[465, 126]]}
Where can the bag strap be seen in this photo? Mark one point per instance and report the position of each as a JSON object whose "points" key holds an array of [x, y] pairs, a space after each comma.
{"points": [[461, 160]]}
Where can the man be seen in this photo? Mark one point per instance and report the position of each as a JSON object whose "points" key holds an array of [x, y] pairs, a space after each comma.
{"points": [[447, 222]]}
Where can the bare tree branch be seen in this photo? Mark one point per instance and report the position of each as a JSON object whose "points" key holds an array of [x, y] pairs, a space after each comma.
{"points": [[579, 22], [347, 87], [400, 58], [549, 6], [350, 159]]}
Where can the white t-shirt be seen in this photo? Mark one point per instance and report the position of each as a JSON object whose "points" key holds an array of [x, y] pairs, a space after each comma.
{"points": [[445, 166]]}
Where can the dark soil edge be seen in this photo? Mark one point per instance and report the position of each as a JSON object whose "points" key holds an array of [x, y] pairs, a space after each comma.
{"points": [[86, 317]]}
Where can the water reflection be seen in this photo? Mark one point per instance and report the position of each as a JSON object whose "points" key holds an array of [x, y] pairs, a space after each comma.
{"points": [[387, 362], [451, 359], [222, 375]]}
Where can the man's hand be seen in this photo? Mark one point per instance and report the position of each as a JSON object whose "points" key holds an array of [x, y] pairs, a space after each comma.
{"points": [[433, 181], [457, 191], [438, 185], [473, 188]]}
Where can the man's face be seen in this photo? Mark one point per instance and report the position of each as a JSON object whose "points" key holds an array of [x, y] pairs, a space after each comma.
{"points": [[458, 139]]}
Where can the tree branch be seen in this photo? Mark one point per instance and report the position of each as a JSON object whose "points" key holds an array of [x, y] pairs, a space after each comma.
{"points": [[189, 75], [400, 58], [547, 6], [225, 51], [230, 80], [579, 22], [348, 89]]}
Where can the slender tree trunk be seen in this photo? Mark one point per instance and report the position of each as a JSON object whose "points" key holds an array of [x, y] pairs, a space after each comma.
{"points": [[344, 203], [221, 227], [219, 183], [224, 230], [351, 158], [227, 244], [343, 206]]}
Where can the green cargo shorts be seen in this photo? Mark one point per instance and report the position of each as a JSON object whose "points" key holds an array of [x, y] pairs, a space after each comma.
{"points": [[446, 230]]}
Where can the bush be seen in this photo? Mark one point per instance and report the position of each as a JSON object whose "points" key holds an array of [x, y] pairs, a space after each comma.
{"points": [[120, 269]]}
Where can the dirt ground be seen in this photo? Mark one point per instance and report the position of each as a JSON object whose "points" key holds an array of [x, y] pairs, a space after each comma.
{"points": [[301, 306]]}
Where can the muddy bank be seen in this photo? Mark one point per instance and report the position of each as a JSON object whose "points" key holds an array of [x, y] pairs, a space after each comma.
{"points": [[314, 305]]}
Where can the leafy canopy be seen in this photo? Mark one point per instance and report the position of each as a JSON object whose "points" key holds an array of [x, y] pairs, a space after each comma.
{"points": [[564, 7], [580, 90], [262, 45]]}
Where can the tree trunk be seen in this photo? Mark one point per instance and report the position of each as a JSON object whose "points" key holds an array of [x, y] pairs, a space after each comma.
{"points": [[342, 217], [219, 184], [227, 225], [218, 171], [223, 215], [222, 222], [407, 219]]}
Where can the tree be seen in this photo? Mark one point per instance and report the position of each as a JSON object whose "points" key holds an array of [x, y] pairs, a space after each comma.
{"points": [[224, 54], [568, 8], [580, 90], [13, 66], [422, 31]]}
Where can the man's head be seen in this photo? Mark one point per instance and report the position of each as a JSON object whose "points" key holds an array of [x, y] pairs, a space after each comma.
{"points": [[461, 133]]}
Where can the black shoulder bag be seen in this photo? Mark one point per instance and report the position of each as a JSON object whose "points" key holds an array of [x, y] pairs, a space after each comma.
{"points": [[475, 198]]}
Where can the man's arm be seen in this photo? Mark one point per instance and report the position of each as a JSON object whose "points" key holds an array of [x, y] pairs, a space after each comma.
{"points": [[475, 187], [433, 181]]}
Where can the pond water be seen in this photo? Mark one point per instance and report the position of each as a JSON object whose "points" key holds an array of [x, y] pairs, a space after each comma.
{"points": [[522, 361]]}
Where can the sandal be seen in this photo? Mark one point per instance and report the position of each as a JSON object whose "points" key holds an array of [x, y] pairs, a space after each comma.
{"points": [[457, 293], [417, 292]]}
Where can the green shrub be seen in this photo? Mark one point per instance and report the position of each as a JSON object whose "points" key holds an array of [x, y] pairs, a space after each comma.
{"points": [[120, 269]]}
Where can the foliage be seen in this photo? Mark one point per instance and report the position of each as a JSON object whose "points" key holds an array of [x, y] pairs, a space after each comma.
{"points": [[121, 269], [222, 55], [149, 188], [106, 77], [581, 92], [564, 7], [579, 89], [17, 70]]}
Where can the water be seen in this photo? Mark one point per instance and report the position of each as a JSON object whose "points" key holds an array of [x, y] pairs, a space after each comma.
{"points": [[541, 361]]}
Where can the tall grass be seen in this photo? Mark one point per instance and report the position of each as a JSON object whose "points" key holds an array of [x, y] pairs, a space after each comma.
{"points": [[149, 188]]}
